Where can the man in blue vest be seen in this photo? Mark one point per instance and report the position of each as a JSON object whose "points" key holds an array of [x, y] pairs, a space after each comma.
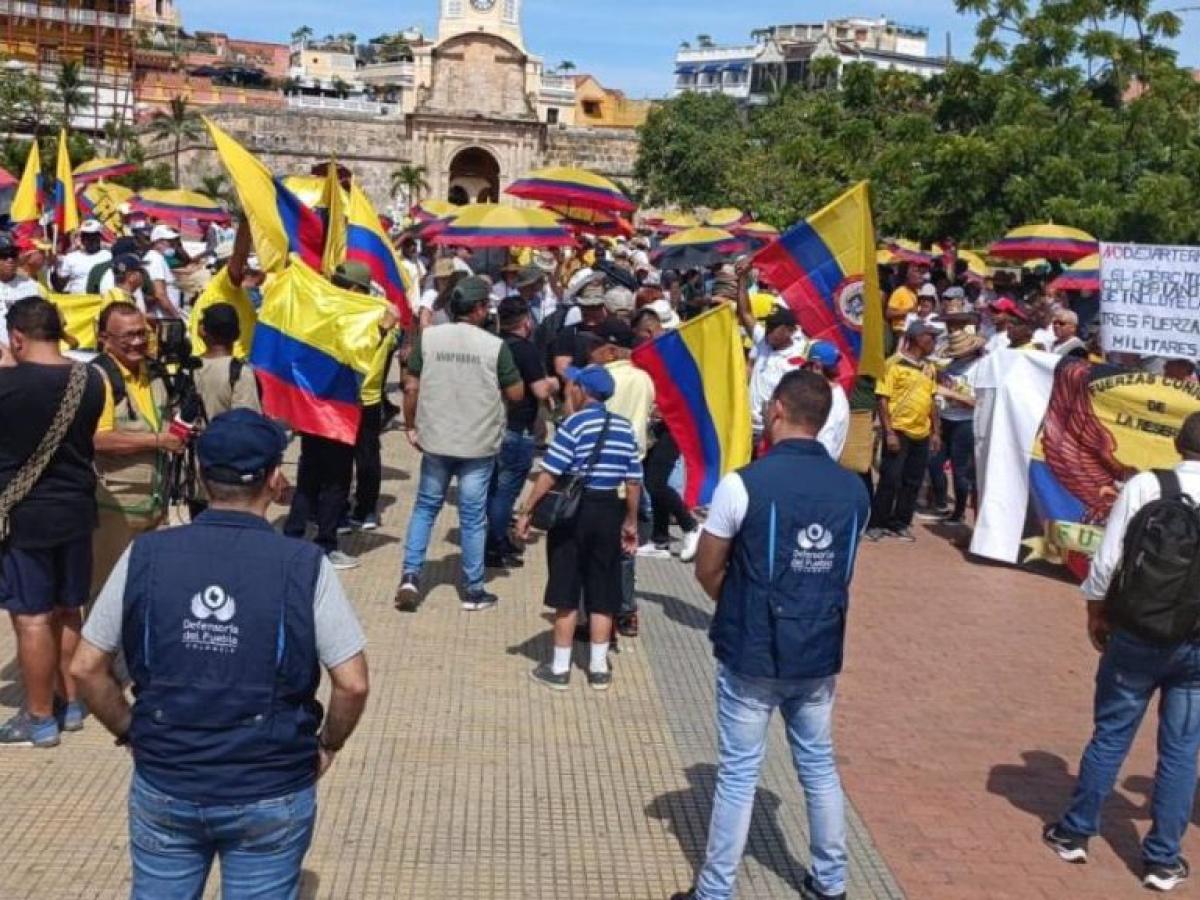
{"points": [[777, 556], [225, 625]]}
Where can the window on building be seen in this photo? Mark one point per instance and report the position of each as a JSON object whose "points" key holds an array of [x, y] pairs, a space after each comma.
{"points": [[510, 10], [48, 53], [93, 58], [591, 108], [552, 116], [454, 7], [158, 8]]}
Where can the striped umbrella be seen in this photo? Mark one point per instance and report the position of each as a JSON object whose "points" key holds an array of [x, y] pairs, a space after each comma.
{"points": [[103, 201], [727, 218], [101, 168], [432, 210], [176, 207], [697, 248], [907, 251], [1082, 275], [756, 234], [7, 180], [1046, 241], [565, 186], [592, 221], [672, 223], [495, 225], [977, 268]]}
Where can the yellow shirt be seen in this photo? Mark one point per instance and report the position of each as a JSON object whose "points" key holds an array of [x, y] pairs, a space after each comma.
{"points": [[909, 388], [903, 300], [372, 386], [140, 395], [633, 398], [222, 290]]}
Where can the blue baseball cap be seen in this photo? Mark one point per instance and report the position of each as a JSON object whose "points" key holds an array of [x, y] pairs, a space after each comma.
{"points": [[825, 353], [595, 381], [240, 447]]}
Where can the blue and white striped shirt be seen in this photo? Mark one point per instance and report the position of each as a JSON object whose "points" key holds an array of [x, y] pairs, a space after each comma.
{"points": [[572, 446]]}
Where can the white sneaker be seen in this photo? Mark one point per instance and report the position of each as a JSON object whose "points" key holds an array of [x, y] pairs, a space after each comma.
{"points": [[687, 549], [342, 561], [653, 551]]}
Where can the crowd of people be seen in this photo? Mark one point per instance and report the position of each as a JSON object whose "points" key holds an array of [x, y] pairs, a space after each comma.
{"points": [[512, 355]]}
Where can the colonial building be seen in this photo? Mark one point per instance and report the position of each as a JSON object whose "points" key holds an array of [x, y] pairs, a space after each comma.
{"points": [[473, 107]]}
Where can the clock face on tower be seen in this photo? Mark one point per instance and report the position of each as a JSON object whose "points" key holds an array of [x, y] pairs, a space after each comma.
{"points": [[483, 5]]}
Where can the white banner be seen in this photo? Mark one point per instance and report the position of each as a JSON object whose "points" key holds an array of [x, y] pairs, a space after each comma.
{"points": [[1150, 300]]}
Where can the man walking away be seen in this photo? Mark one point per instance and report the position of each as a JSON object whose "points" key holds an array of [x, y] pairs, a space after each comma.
{"points": [[1143, 613], [911, 429], [48, 497], [223, 381], [777, 556], [224, 625], [457, 380]]}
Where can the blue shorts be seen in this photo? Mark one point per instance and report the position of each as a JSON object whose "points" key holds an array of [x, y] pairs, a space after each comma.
{"points": [[35, 582]]}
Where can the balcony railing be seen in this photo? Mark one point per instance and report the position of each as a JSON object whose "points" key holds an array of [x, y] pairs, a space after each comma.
{"points": [[68, 15], [338, 104]]}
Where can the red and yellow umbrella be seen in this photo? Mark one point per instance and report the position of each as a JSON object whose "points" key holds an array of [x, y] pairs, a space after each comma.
{"points": [[103, 203], [1045, 241], [592, 221], [494, 225], [673, 223], [1083, 275], [697, 248], [7, 180], [101, 168], [728, 218], [573, 187], [756, 234], [175, 207], [899, 250], [432, 210]]}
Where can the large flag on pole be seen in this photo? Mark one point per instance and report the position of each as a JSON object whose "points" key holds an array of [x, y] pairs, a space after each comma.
{"points": [[26, 211], [699, 374], [825, 268], [313, 345], [280, 223], [368, 243], [66, 210], [335, 221]]}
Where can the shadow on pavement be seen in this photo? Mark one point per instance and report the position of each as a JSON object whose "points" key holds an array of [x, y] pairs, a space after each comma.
{"points": [[1042, 786], [309, 883], [687, 813], [679, 611], [12, 695]]}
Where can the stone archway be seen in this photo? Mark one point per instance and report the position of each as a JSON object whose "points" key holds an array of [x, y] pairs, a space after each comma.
{"points": [[474, 177]]}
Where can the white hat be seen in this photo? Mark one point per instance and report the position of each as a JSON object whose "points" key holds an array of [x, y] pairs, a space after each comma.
{"points": [[665, 312], [163, 233], [619, 300], [641, 260], [927, 290], [579, 281], [460, 265], [652, 279], [91, 226]]}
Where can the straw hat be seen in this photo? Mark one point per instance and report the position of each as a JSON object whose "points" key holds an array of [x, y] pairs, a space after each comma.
{"points": [[963, 343]]}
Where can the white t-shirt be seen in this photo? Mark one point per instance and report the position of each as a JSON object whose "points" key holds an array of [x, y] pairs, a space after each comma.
{"points": [[157, 269], [837, 426], [76, 266], [998, 341], [19, 288], [768, 370], [428, 299], [1044, 339], [415, 270], [728, 508]]}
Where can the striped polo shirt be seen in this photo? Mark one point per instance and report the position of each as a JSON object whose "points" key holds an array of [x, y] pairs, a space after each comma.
{"points": [[572, 446]]}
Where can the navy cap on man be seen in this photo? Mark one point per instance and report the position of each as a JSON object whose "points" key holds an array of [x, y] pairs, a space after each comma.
{"points": [[595, 381], [240, 447]]}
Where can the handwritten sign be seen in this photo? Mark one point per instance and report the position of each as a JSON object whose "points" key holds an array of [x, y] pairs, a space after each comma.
{"points": [[1150, 300]]}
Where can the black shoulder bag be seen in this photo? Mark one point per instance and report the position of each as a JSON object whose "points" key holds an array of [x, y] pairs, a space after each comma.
{"points": [[560, 504]]}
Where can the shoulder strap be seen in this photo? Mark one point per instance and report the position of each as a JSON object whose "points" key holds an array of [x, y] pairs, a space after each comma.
{"points": [[235, 371], [1168, 483], [116, 380], [594, 456], [31, 470]]}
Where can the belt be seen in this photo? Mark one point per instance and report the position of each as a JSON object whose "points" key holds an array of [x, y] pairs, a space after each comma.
{"points": [[596, 494]]}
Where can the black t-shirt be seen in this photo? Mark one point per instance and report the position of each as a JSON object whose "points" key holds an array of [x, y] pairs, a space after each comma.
{"points": [[569, 343], [61, 507], [523, 415]]}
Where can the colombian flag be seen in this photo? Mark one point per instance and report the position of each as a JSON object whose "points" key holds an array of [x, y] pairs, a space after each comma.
{"points": [[66, 211], [280, 223], [313, 345], [825, 269], [699, 374], [368, 243], [334, 206], [29, 199], [80, 313]]}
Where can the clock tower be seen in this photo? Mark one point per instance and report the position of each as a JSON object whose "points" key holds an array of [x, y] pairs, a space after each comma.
{"points": [[498, 17]]}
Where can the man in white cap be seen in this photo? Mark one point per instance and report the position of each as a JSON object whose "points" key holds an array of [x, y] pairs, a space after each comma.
{"points": [[162, 290], [71, 274]]}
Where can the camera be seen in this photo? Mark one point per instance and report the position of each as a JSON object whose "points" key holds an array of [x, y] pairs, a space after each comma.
{"points": [[175, 365]]}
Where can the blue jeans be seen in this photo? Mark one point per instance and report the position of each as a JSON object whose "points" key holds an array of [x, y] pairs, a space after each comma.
{"points": [[1130, 672], [473, 478], [744, 707], [261, 845], [958, 446], [512, 468]]}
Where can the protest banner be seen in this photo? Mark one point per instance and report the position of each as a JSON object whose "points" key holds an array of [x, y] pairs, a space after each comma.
{"points": [[1056, 440], [1150, 300]]}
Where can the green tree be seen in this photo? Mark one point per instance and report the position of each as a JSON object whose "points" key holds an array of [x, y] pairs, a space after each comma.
{"points": [[340, 86], [71, 93], [23, 102], [178, 124], [302, 35], [412, 181], [566, 66]]}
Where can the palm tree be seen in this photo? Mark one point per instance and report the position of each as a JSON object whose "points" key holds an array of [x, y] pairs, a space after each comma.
{"points": [[340, 86], [302, 35], [567, 66], [119, 134], [412, 181], [180, 123], [704, 40], [215, 187], [70, 91]]}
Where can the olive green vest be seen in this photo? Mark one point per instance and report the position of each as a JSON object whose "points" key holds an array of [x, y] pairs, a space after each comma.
{"points": [[134, 484]]}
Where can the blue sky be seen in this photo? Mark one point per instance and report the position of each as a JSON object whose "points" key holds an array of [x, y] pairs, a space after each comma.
{"points": [[627, 44]]}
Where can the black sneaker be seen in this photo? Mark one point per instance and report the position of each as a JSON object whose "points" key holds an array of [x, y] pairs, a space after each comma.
{"points": [[600, 681], [689, 894], [503, 561], [1069, 847], [1166, 878], [408, 595], [933, 513], [545, 675], [479, 599], [810, 891]]}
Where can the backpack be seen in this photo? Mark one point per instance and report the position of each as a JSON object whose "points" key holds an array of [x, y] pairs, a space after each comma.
{"points": [[1155, 594], [96, 276]]}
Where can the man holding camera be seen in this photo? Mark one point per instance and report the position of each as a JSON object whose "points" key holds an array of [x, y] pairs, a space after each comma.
{"points": [[133, 438]]}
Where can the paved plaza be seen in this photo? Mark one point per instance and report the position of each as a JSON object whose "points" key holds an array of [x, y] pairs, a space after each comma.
{"points": [[961, 715]]}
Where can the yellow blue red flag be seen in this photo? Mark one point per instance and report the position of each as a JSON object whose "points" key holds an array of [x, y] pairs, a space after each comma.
{"points": [[699, 374], [825, 268], [280, 223], [368, 243], [26, 211], [80, 313], [66, 210], [313, 346], [334, 206]]}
